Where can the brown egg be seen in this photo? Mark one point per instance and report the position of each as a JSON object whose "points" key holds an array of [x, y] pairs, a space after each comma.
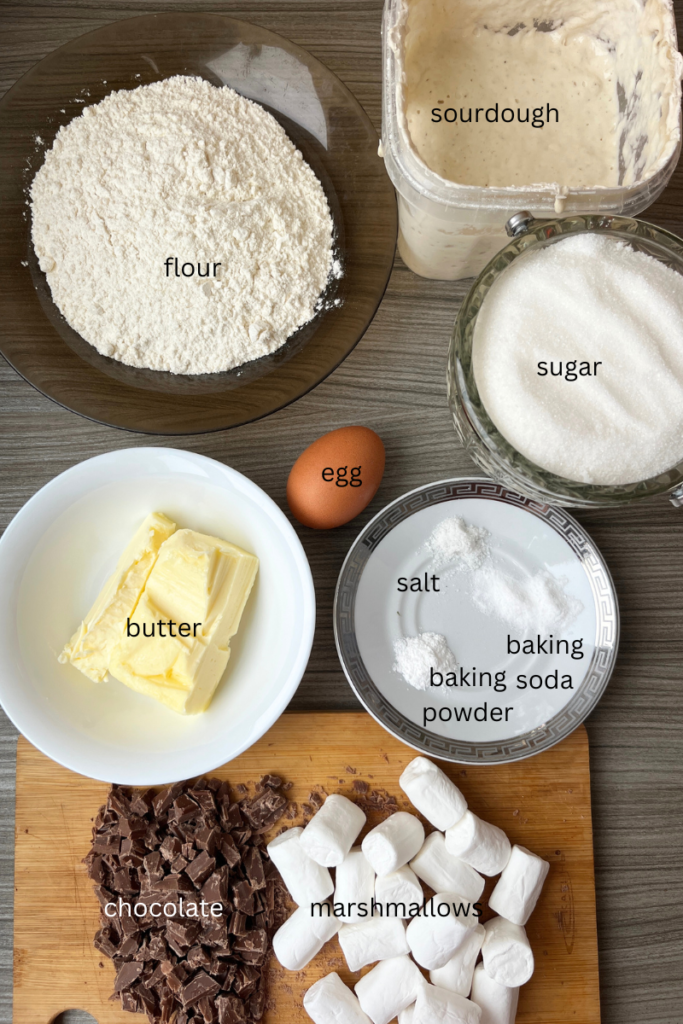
{"points": [[336, 477]]}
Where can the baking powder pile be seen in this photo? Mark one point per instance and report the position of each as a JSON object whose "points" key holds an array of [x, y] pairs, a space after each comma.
{"points": [[186, 170], [417, 655], [586, 300], [454, 540]]}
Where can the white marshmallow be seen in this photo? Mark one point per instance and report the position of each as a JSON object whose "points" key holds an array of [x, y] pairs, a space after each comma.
{"points": [[393, 842], [378, 938], [439, 1006], [398, 892], [406, 1016], [329, 1001], [456, 975], [388, 988], [433, 938], [498, 1002], [519, 886], [355, 884], [506, 953], [479, 843], [444, 873], [303, 935], [432, 792], [329, 835], [307, 881]]}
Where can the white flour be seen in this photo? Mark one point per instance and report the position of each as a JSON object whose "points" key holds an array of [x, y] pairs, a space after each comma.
{"points": [[185, 170], [417, 655]]}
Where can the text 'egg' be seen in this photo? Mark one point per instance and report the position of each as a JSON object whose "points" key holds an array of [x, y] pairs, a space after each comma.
{"points": [[336, 477]]}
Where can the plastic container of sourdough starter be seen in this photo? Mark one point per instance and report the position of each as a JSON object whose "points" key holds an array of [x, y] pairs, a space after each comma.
{"points": [[449, 231]]}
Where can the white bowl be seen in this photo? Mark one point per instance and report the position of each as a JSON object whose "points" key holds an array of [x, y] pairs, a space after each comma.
{"points": [[54, 557]]}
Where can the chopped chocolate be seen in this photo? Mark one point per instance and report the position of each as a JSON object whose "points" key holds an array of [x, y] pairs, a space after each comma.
{"points": [[230, 1010], [252, 947], [229, 851], [215, 889], [198, 858], [170, 848], [200, 868], [201, 985], [127, 975], [242, 897], [253, 866], [360, 786], [316, 800], [185, 809], [246, 979]]}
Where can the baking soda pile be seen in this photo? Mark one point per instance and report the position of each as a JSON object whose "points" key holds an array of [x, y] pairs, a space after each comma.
{"points": [[378, 889], [181, 169]]}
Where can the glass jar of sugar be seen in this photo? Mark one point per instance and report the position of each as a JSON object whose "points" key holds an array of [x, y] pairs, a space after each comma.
{"points": [[565, 371]]}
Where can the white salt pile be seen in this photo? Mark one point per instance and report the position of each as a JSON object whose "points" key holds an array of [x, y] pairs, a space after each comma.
{"points": [[454, 540], [416, 656], [578, 359], [535, 603]]}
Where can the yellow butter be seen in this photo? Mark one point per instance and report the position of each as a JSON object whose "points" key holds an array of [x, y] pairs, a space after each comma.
{"points": [[90, 647], [202, 582]]}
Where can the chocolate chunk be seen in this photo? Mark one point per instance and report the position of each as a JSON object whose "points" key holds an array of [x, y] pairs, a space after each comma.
{"points": [[129, 1001], [231, 816], [152, 866], [188, 851], [181, 935], [104, 941], [129, 946], [253, 865], [242, 897], [127, 975], [178, 865], [201, 985], [229, 851], [170, 848], [215, 934], [198, 957], [230, 1010], [174, 883], [206, 800], [184, 809], [246, 979], [238, 924], [200, 868], [208, 838], [107, 843], [317, 800], [215, 889], [272, 781], [266, 809], [208, 1010], [141, 804], [252, 947], [257, 1003]]}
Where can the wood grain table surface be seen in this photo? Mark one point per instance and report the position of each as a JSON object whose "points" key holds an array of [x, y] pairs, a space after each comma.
{"points": [[395, 383]]}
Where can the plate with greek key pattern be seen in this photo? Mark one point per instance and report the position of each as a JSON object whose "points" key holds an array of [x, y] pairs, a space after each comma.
{"points": [[530, 630]]}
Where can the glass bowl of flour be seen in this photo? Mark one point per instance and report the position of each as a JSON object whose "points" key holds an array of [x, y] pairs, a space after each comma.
{"points": [[565, 371], [198, 228]]}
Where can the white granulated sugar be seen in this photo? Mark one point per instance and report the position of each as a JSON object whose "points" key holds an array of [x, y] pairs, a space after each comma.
{"points": [[415, 656], [181, 169], [535, 603], [586, 299], [454, 540]]}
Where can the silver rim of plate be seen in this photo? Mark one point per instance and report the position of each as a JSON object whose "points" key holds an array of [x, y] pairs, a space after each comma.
{"points": [[571, 715]]}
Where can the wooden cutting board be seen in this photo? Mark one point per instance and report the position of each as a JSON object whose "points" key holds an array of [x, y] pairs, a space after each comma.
{"points": [[542, 803]]}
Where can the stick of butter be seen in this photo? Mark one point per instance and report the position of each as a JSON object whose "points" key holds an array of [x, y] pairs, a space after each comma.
{"points": [[90, 647], [176, 645]]}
